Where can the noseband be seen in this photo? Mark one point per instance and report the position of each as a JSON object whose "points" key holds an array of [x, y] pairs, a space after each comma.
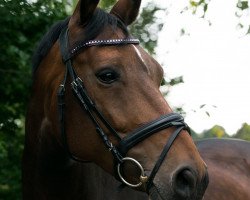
{"points": [[125, 144]]}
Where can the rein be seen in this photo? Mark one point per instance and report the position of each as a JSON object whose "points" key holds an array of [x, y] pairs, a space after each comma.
{"points": [[125, 144]]}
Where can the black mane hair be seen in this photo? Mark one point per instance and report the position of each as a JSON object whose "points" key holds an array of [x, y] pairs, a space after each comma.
{"points": [[47, 42], [97, 23]]}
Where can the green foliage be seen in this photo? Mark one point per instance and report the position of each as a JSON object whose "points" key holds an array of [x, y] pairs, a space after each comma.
{"points": [[196, 4], [242, 13], [242, 5], [175, 81], [197, 7], [194, 135], [22, 24], [146, 28], [243, 132], [11, 145], [215, 131], [170, 83], [219, 132], [107, 4]]}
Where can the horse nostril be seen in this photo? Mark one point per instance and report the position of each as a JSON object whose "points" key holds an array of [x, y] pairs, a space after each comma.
{"points": [[184, 183]]}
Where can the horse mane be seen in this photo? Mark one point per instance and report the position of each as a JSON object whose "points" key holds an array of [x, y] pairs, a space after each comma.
{"points": [[47, 42], [97, 23]]}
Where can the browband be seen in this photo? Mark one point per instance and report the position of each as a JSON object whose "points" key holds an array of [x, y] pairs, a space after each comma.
{"points": [[116, 42], [110, 42]]}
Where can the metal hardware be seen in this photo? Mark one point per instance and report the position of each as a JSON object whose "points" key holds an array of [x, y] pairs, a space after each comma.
{"points": [[143, 177]]}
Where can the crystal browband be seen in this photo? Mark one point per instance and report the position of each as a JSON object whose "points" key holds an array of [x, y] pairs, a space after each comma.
{"points": [[69, 54], [103, 43]]}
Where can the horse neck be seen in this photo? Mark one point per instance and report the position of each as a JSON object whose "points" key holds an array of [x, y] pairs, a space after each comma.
{"points": [[47, 172], [59, 177], [101, 185]]}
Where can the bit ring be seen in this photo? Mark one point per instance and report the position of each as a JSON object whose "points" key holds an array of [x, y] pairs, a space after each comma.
{"points": [[143, 178]]}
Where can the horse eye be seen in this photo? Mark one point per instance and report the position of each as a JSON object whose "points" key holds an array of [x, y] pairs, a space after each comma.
{"points": [[107, 76]]}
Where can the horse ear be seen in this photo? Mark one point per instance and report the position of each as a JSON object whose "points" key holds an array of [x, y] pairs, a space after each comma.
{"points": [[126, 10], [84, 11]]}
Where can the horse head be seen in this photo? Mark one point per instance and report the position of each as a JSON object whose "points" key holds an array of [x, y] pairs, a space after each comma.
{"points": [[112, 112]]}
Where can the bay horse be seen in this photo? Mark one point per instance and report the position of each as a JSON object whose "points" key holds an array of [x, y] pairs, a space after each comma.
{"points": [[228, 162], [95, 98]]}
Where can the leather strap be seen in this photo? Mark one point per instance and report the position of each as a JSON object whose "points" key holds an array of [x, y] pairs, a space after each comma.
{"points": [[140, 134], [163, 155], [69, 54], [111, 42]]}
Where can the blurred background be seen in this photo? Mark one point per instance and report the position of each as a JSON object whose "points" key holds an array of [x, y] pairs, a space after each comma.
{"points": [[203, 46]]}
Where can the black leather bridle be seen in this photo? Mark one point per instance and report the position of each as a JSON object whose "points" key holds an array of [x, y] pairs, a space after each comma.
{"points": [[125, 144]]}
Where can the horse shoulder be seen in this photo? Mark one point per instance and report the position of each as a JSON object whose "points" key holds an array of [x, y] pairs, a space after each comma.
{"points": [[228, 164]]}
